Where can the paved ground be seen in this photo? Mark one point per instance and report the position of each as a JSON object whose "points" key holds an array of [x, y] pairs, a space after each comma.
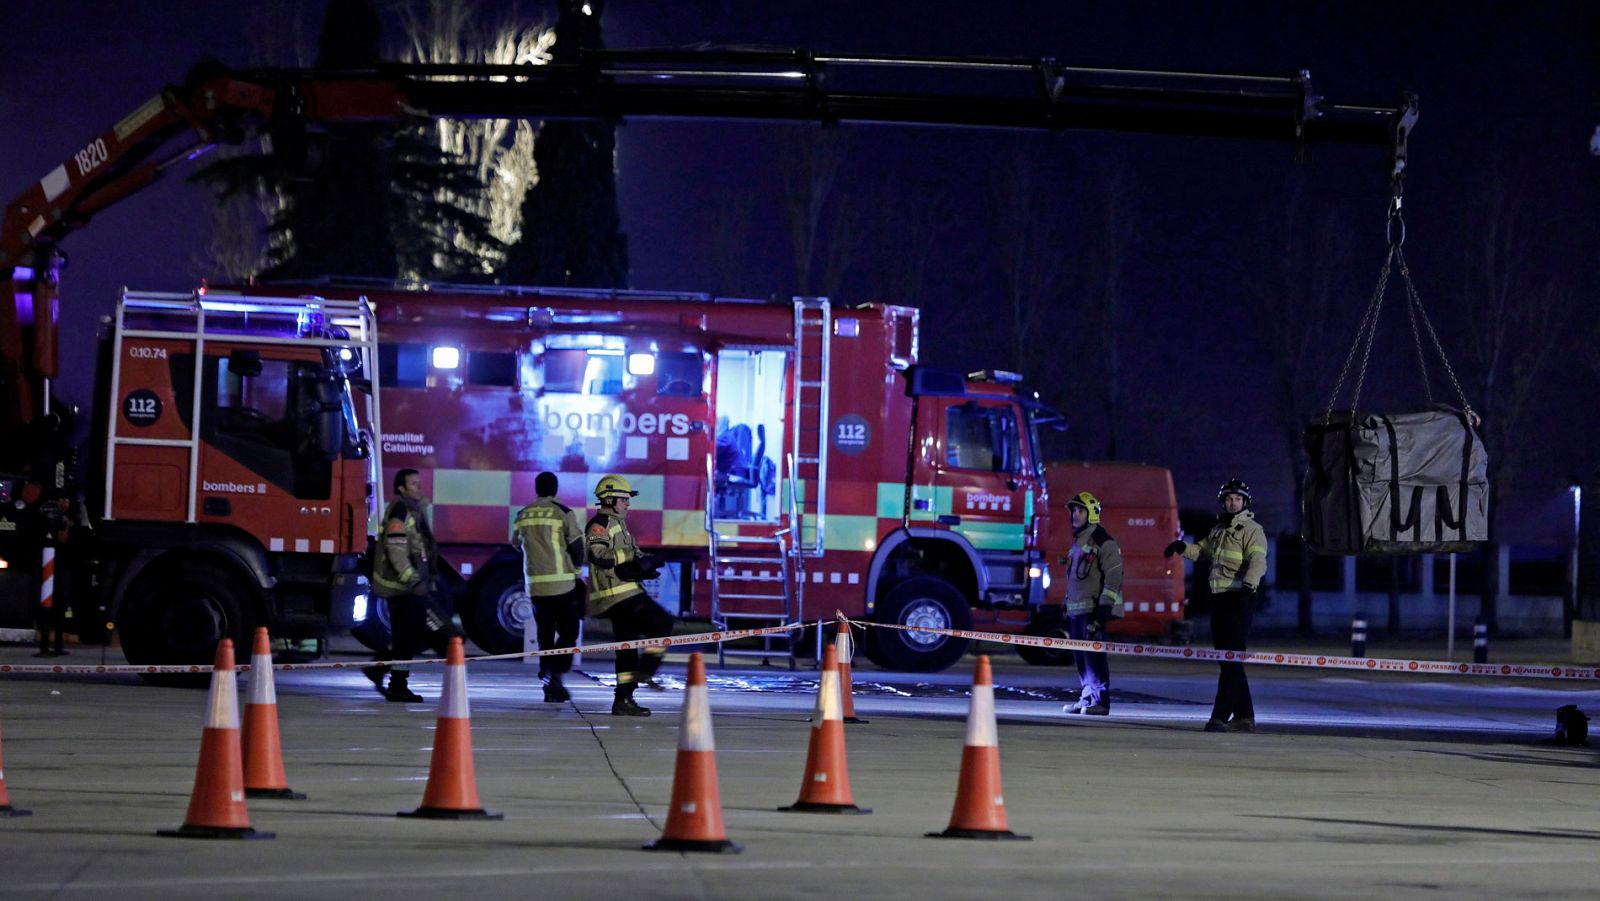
{"points": [[1369, 786]]}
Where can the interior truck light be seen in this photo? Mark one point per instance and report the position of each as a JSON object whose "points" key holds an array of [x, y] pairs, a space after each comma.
{"points": [[641, 364], [446, 357]]}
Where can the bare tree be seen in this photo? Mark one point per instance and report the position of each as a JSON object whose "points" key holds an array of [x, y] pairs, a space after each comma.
{"points": [[908, 217], [730, 241], [809, 160], [1295, 301], [1031, 234], [1097, 280], [498, 151], [1516, 320]]}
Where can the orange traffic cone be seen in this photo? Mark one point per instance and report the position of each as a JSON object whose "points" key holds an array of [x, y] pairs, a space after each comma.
{"points": [[6, 810], [826, 785], [844, 647], [980, 810], [216, 808], [694, 821], [452, 792], [263, 752]]}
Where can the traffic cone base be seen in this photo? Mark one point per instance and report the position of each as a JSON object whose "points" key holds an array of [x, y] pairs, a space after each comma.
{"points": [[9, 811], [818, 807], [282, 794], [213, 832], [448, 813], [1008, 835], [721, 846]]}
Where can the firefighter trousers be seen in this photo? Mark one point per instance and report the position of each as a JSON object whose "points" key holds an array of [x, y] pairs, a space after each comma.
{"points": [[638, 617], [1094, 667], [556, 618], [419, 622], [1230, 624]]}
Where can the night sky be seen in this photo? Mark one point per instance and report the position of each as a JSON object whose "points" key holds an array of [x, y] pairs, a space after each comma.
{"points": [[1510, 94]]}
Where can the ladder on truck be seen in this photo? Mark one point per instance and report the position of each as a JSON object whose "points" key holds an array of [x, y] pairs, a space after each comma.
{"points": [[759, 579]]}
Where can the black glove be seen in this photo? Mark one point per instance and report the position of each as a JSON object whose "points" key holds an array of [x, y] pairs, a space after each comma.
{"points": [[1249, 591], [1177, 547]]}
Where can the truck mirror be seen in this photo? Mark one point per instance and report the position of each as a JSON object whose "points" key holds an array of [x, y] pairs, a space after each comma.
{"points": [[323, 414], [245, 363]]}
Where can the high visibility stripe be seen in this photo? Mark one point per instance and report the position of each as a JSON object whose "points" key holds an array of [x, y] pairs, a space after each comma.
{"points": [[1115, 596], [453, 699], [608, 592], [980, 718], [829, 706], [261, 688], [696, 734], [222, 706], [1231, 556], [1257, 549], [557, 577]]}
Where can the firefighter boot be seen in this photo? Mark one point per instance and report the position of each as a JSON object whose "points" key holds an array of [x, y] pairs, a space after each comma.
{"points": [[625, 705], [399, 692], [375, 674], [554, 691]]}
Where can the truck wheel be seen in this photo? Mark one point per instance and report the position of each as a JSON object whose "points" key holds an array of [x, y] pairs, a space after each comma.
{"points": [[1046, 627], [923, 601], [495, 615], [374, 632], [176, 615]]}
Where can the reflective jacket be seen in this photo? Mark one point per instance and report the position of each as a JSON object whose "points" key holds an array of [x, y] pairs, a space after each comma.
{"points": [[551, 538], [404, 563], [1238, 551], [610, 545], [1094, 573]]}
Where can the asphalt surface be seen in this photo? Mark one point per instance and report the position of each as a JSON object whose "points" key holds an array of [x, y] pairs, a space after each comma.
{"points": [[1356, 785]]}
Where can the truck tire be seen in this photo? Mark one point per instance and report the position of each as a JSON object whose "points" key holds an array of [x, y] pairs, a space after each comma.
{"points": [[922, 601], [374, 632], [176, 613], [494, 615], [1048, 626]]}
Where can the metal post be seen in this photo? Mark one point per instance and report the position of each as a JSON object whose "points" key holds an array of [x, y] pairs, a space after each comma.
{"points": [[1480, 641], [1450, 628], [1358, 636]]}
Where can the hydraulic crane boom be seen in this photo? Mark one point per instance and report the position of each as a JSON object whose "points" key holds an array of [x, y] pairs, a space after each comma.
{"points": [[216, 105]]}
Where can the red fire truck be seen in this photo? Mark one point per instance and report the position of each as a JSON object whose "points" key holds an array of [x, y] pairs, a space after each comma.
{"points": [[792, 458], [242, 441]]}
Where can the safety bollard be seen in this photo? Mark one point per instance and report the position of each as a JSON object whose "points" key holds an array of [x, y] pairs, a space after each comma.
{"points": [[1358, 636], [1480, 641]]}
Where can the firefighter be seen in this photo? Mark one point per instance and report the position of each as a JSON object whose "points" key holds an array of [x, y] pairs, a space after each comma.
{"points": [[1094, 598], [1237, 546], [616, 567], [406, 572], [550, 535]]}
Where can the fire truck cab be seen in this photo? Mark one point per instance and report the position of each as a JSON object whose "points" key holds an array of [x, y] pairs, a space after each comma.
{"points": [[238, 477]]}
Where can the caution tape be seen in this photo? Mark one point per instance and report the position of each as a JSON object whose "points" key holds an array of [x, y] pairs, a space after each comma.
{"points": [[1269, 658], [633, 645], [1164, 652]]}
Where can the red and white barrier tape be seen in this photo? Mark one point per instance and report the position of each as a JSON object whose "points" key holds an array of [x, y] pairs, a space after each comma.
{"points": [[667, 642], [1164, 652], [1270, 658]]}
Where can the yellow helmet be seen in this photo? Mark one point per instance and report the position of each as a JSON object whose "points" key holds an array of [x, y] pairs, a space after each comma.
{"points": [[614, 486], [1089, 503]]}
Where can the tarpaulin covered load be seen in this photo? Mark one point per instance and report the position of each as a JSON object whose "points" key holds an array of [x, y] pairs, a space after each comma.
{"points": [[1406, 483]]}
